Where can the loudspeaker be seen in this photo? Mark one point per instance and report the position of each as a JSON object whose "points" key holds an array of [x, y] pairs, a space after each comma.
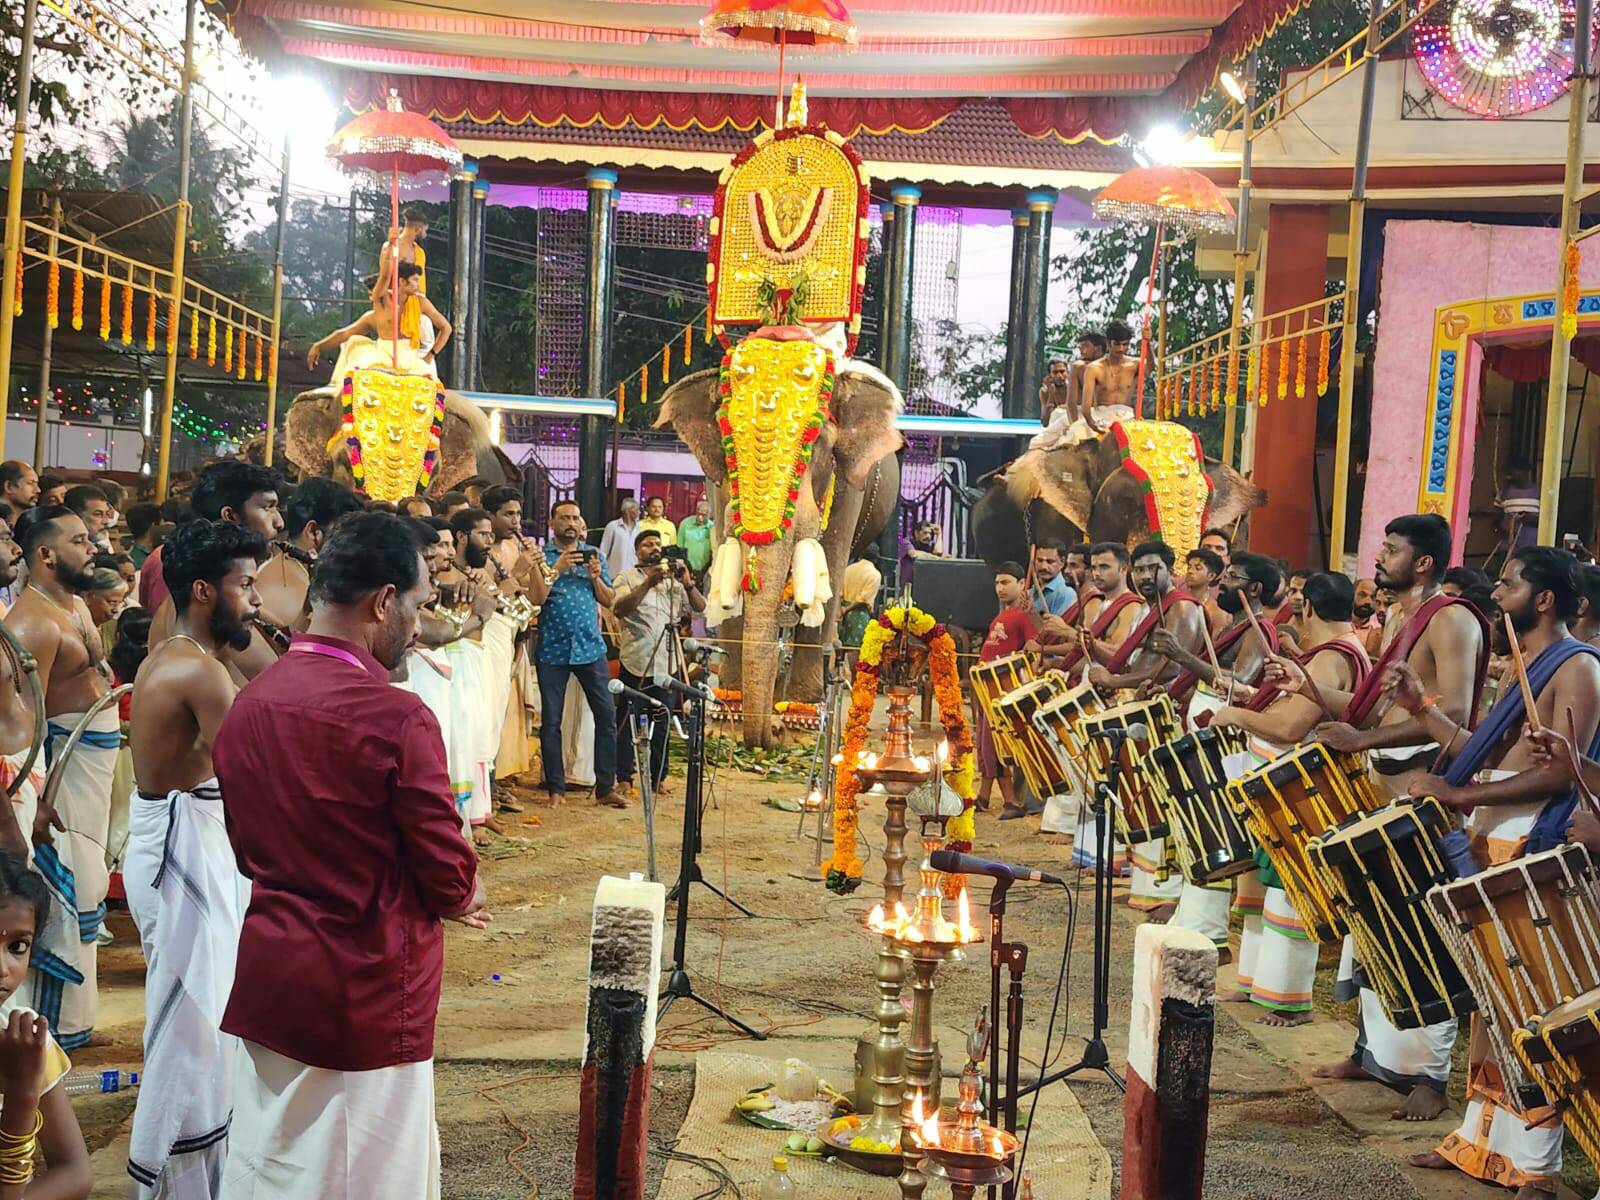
{"points": [[956, 591]]}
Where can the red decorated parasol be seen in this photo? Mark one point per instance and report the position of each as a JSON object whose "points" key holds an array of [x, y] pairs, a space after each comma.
{"points": [[761, 24], [1170, 198], [389, 142]]}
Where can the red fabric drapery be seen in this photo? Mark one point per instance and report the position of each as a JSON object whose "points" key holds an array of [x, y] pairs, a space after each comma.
{"points": [[485, 102], [1528, 362]]}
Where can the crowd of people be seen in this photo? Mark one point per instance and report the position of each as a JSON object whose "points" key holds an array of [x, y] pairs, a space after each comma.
{"points": [[1410, 669], [358, 680]]}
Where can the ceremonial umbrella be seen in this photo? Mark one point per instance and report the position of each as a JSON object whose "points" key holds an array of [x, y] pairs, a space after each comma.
{"points": [[1167, 197], [759, 24], [391, 142]]}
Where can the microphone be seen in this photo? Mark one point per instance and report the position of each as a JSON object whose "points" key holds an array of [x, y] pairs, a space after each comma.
{"points": [[696, 646], [617, 688], [663, 680], [1139, 733], [966, 864]]}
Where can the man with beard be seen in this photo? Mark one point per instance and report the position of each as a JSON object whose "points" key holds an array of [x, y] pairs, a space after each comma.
{"points": [[184, 888], [1052, 596], [53, 624], [19, 485], [341, 816], [1009, 633], [1242, 651], [572, 588], [1445, 641], [1133, 666], [1517, 806], [473, 534], [1367, 620], [1077, 570], [1277, 957], [513, 559], [1586, 628], [10, 557], [285, 579]]}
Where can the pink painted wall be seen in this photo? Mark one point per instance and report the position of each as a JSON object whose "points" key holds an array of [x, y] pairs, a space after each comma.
{"points": [[1427, 264]]}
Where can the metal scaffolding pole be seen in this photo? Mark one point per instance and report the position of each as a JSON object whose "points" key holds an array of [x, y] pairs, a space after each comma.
{"points": [[180, 242], [1555, 407], [596, 342], [277, 305], [1241, 257], [46, 343], [1352, 299], [13, 246]]}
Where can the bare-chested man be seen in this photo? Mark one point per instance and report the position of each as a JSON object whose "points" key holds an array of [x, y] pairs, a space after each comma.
{"points": [[1132, 667], [1277, 956], [285, 579], [1113, 609], [184, 888], [1108, 386], [1517, 806], [53, 623], [376, 324], [1444, 641], [242, 494]]}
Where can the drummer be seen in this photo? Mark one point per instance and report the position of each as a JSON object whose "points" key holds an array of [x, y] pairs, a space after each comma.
{"points": [[1132, 667], [1277, 957], [1445, 641], [1241, 651], [1010, 630], [1517, 806]]}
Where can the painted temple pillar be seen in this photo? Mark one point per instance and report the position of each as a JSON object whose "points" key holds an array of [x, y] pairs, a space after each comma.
{"points": [[1019, 261], [480, 218], [1285, 436], [900, 235], [592, 435], [461, 312], [1036, 287]]}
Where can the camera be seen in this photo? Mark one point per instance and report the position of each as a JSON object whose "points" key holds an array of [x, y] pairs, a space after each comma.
{"points": [[675, 555]]}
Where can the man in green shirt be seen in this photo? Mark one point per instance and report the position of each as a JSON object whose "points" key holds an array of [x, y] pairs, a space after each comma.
{"points": [[694, 535], [655, 521]]}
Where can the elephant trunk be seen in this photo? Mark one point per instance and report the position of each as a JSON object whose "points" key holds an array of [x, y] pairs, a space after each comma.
{"points": [[760, 640]]}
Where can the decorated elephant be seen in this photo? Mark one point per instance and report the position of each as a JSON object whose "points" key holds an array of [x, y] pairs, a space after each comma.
{"points": [[841, 499], [1142, 478], [314, 442]]}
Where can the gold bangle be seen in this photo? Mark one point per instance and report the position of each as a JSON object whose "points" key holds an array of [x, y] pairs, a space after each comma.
{"points": [[15, 1139]]}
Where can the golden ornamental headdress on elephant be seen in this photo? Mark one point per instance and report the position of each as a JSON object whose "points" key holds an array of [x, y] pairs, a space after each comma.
{"points": [[391, 425], [789, 231]]}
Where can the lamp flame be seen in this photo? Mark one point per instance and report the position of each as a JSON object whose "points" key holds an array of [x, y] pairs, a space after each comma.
{"points": [[944, 750], [900, 914], [928, 1134], [838, 759], [921, 762], [964, 917], [875, 917]]}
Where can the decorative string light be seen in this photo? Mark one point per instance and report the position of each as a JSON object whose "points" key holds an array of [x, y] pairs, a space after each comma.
{"points": [[1497, 58]]}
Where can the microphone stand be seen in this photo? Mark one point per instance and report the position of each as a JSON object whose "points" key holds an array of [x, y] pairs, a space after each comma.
{"points": [[679, 986], [1095, 1055], [1014, 956]]}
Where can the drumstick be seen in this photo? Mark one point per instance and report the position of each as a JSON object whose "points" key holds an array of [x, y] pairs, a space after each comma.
{"points": [[1577, 765], [1311, 684], [1522, 676]]}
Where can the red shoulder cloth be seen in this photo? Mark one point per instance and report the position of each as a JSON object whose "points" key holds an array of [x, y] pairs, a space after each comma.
{"points": [[1180, 687], [1142, 630], [1074, 614], [1366, 695], [1100, 624], [1360, 665]]}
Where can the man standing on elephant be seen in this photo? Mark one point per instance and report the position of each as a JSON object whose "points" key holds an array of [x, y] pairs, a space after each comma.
{"points": [[573, 586]]}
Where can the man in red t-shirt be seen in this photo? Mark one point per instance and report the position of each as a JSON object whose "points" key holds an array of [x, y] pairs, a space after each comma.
{"points": [[1011, 630]]}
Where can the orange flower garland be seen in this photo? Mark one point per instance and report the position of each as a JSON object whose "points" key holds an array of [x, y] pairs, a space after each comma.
{"points": [[53, 296], [1266, 372], [194, 333], [1283, 367], [150, 321], [17, 305], [1251, 370], [227, 348], [1231, 391], [211, 340], [259, 341], [1216, 383], [1569, 291], [1300, 371], [105, 308], [127, 314], [173, 317], [77, 298], [1322, 360]]}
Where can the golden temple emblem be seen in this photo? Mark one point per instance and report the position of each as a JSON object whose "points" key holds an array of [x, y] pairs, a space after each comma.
{"points": [[391, 426]]}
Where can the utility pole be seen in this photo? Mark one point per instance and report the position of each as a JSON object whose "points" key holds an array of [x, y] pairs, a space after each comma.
{"points": [[180, 242]]}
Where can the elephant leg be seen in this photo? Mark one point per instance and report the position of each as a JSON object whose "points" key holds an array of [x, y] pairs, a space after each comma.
{"points": [[730, 668], [805, 676]]}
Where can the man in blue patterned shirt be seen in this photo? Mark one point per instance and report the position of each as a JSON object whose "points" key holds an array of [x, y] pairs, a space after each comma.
{"points": [[571, 589]]}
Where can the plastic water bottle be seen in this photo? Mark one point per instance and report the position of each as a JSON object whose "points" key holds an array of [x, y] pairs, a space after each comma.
{"points": [[88, 1083], [778, 1185]]}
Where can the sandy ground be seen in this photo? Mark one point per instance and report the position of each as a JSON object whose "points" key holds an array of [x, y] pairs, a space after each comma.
{"points": [[508, 1048]]}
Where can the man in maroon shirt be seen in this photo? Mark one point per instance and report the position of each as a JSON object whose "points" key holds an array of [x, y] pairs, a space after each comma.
{"points": [[339, 808], [1011, 630]]}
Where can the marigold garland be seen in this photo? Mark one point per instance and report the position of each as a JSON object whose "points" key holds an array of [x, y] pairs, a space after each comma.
{"points": [[211, 339], [105, 308], [127, 314], [1300, 370], [77, 298], [843, 869], [688, 344], [1194, 389], [1323, 348], [1252, 369], [1266, 373], [173, 316], [1283, 368], [53, 296], [16, 307], [259, 350], [1569, 291], [1231, 391], [227, 348], [1216, 383], [666, 364], [150, 321]]}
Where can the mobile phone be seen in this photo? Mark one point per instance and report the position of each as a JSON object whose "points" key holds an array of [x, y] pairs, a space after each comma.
{"points": [[1571, 541]]}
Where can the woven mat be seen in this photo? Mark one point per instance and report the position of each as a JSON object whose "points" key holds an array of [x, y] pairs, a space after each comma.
{"points": [[1065, 1159]]}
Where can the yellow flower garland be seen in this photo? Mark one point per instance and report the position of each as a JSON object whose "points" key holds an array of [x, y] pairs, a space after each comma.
{"points": [[843, 869]]}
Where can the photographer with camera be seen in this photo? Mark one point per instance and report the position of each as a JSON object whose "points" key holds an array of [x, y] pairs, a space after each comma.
{"points": [[651, 598]]}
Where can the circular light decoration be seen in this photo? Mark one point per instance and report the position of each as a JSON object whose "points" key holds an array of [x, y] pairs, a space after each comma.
{"points": [[1497, 58]]}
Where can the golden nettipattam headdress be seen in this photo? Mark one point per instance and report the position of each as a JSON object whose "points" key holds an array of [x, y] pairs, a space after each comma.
{"points": [[789, 231]]}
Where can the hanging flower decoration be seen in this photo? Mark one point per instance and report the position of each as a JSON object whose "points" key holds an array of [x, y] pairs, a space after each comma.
{"points": [[1231, 391], [688, 343], [259, 341], [174, 315], [127, 314], [1194, 389], [227, 348], [1216, 383], [843, 869], [150, 321], [1252, 367], [105, 308], [211, 339], [1569, 292], [1266, 371], [1283, 367], [194, 333], [77, 298], [16, 306], [53, 295], [1323, 347], [1300, 370]]}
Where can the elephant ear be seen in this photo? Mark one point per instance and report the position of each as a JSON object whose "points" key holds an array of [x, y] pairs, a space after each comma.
{"points": [[312, 419], [865, 405], [690, 408], [1063, 478], [1232, 495]]}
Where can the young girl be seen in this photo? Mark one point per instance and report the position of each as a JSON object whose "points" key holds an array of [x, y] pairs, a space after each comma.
{"points": [[35, 1114]]}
